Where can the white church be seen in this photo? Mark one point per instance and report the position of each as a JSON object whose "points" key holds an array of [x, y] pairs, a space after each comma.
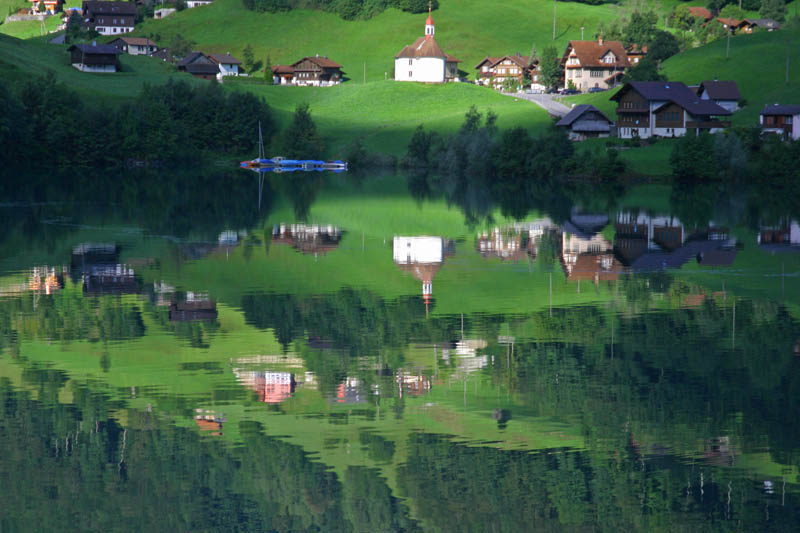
{"points": [[425, 61]]}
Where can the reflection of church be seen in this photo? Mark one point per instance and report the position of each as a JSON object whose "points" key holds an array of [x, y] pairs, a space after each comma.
{"points": [[422, 257]]}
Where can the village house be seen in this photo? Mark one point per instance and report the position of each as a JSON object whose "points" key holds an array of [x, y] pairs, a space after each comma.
{"points": [[199, 65], [731, 24], [227, 64], [664, 109], [595, 64], [750, 25], [282, 74], [94, 58], [636, 53], [723, 93], [135, 45], [318, 71], [108, 18], [495, 71], [424, 60], [783, 120], [50, 7], [585, 121], [164, 12]]}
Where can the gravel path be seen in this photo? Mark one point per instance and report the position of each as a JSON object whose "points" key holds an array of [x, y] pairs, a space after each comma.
{"points": [[545, 101]]}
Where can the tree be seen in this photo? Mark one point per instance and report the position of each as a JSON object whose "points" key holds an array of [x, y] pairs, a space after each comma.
{"points": [[645, 70], [247, 56], [773, 9], [682, 18], [180, 47], [693, 160], [663, 46], [301, 140], [550, 67], [732, 11], [268, 71], [41, 7], [641, 28]]}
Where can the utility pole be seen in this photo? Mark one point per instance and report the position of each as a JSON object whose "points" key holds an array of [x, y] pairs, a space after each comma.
{"points": [[365, 72], [728, 45], [787, 62], [581, 33], [554, 20]]}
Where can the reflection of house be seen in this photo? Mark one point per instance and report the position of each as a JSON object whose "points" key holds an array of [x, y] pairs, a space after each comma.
{"points": [[413, 384], [101, 271], [652, 243], [508, 243], [782, 237], [588, 257], [209, 421], [351, 390], [424, 60], [422, 257], [309, 239], [272, 387], [193, 309], [45, 279]]}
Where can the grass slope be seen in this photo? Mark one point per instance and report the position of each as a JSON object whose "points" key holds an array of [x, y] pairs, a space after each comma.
{"points": [[384, 114], [466, 29], [21, 60]]}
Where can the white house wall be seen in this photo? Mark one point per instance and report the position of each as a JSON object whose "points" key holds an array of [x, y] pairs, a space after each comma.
{"points": [[113, 30], [94, 68], [422, 69], [228, 69]]}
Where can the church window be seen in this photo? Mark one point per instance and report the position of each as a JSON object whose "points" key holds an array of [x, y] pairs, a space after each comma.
{"points": [[409, 61]]}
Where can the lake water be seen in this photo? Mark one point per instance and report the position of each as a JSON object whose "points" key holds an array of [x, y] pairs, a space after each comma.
{"points": [[396, 353]]}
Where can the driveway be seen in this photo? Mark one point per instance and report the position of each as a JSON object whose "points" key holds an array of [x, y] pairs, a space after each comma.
{"points": [[547, 101]]}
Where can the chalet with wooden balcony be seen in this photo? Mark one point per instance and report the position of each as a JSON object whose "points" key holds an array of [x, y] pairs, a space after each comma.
{"points": [[589, 64], [108, 18], [495, 71], [317, 70], [665, 109], [94, 58], [783, 120], [135, 45]]}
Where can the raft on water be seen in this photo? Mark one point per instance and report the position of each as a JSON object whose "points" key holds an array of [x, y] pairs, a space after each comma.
{"points": [[280, 164]]}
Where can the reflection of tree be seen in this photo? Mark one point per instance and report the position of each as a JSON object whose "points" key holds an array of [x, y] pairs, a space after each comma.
{"points": [[302, 190]]}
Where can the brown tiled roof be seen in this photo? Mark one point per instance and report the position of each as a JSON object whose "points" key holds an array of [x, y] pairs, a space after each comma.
{"points": [[422, 47], [136, 41], [522, 61], [283, 69], [730, 22], [700, 12], [451, 59], [720, 90], [491, 60], [590, 53], [322, 62]]}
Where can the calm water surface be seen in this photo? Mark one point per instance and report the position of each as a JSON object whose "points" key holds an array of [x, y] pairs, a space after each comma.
{"points": [[396, 353]]}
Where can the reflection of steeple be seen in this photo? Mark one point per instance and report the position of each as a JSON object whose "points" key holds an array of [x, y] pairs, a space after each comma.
{"points": [[422, 257]]}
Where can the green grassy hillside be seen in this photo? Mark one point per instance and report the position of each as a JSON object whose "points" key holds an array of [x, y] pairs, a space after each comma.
{"points": [[756, 62], [384, 114], [20, 60], [467, 29]]}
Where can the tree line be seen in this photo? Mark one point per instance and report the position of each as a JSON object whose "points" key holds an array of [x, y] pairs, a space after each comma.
{"points": [[347, 9], [50, 124]]}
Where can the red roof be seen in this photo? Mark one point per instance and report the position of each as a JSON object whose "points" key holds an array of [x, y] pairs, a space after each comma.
{"points": [[700, 12], [422, 47], [591, 53]]}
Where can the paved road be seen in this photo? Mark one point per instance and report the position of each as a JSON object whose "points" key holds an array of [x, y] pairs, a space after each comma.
{"points": [[543, 100]]}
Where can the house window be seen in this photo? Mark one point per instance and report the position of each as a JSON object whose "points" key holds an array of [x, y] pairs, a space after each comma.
{"points": [[596, 74], [787, 120], [409, 61], [608, 59], [409, 73], [579, 73]]}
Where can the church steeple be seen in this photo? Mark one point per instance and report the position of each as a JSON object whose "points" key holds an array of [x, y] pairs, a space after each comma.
{"points": [[429, 26]]}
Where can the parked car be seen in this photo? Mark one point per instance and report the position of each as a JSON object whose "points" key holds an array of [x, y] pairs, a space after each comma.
{"points": [[551, 90], [568, 91], [596, 90]]}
